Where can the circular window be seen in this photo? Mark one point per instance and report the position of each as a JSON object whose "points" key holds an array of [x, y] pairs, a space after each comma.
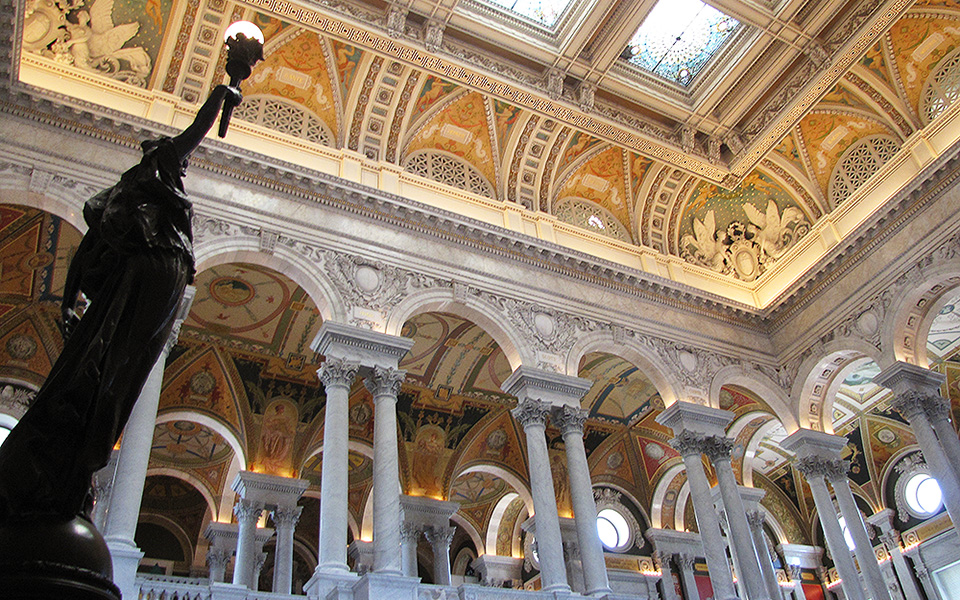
{"points": [[923, 494], [4, 432], [613, 529]]}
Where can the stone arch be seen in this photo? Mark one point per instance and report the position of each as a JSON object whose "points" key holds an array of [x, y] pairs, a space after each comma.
{"points": [[225, 250], [770, 392], [819, 378], [503, 474], [193, 481], [659, 493], [470, 307], [750, 451], [913, 312], [237, 464], [490, 547], [469, 529], [60, 201], [186, 545], [630, 350]]}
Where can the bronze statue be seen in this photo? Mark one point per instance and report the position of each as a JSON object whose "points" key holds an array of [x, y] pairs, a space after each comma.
{"points": [[132, 266]]}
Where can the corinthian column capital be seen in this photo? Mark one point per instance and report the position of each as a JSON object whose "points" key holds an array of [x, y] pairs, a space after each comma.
{"points": [[689, 442], [531, 412], [816, 466], [338, 372], [718, 448], [385, 381], [569, 418]]}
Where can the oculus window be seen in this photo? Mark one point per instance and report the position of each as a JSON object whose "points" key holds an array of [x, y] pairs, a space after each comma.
{"points": [[542, 12], [678, 38], [615, 533], [922, 495]]}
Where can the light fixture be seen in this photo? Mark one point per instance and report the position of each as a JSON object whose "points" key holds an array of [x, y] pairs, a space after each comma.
{"points": [[244, 42]]}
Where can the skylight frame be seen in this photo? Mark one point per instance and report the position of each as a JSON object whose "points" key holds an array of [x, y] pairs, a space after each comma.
{"points": [[520, 24], [722, 50]]}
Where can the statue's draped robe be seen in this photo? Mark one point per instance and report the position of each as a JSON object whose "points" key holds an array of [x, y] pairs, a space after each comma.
{"points": [[133, 265]]}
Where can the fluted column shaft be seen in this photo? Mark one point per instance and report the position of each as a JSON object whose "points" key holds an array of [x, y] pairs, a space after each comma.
{"points": [[248, 513], [409, 537], [689, 580], [664, 561], [532, 416], [337, 376], [285, 520], [815, 469], [913, 406], [718, 452], [384, 384], [690, 446], [755, 519], [570, 421], [855, 525], [440, 539]]}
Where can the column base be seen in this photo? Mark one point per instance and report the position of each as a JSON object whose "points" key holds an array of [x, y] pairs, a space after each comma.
{"points": [[325, 582], [126, 560], [377, 586], [53, 559], [227, 591]]}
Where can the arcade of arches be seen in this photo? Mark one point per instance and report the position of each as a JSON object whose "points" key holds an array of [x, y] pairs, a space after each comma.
{"points": [[436, 331]]}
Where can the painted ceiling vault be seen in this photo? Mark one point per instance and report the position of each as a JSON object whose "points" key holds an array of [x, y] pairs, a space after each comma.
{"points": [[727, 167]]}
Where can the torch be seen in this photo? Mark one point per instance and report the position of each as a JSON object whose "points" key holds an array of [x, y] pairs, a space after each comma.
{"points": [[244, 42]]}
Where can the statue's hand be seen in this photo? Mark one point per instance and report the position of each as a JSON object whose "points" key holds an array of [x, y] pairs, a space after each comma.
{"points": [[68, 321], [232, 96]]}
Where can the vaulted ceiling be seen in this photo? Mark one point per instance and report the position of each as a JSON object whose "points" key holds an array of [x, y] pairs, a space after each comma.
{"points": [[803, 102]]}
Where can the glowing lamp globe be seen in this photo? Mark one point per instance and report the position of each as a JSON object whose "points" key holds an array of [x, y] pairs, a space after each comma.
{"points": [[246, 28]]}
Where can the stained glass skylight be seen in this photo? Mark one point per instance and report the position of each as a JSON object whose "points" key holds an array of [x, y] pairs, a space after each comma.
{"points": [[544, 12], [678, 38]]}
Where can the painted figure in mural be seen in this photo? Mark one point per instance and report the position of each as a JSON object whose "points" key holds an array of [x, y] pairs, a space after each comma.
{"points": [[132, 266]]}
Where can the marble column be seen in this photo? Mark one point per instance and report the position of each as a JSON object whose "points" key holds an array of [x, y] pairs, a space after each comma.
{"points": [[217, 560], [756, 519], [261, 559], [691, 445], [223, 543], [285, 520], [917, 393], [664, 562], [570, 421], [815, 469], [718, 451], [248, 513], [123, 512], [796, 576], [858, 530], [337, 375], [440, 539], [891, 539], [409, 538], [687, 578], [532, 416], [940, 417], [384, 384]]}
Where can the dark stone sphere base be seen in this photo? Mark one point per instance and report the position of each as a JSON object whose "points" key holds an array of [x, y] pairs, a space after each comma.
{"points": [[55, 560]]}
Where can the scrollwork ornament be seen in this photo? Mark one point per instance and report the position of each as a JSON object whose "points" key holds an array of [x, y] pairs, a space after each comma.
{"points": [[531, 412], [410, 533], [937, 407], [686, 561]]}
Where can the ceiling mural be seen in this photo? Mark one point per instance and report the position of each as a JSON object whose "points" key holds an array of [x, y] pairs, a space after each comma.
{"points": [[738, 225], [621, 393]]}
